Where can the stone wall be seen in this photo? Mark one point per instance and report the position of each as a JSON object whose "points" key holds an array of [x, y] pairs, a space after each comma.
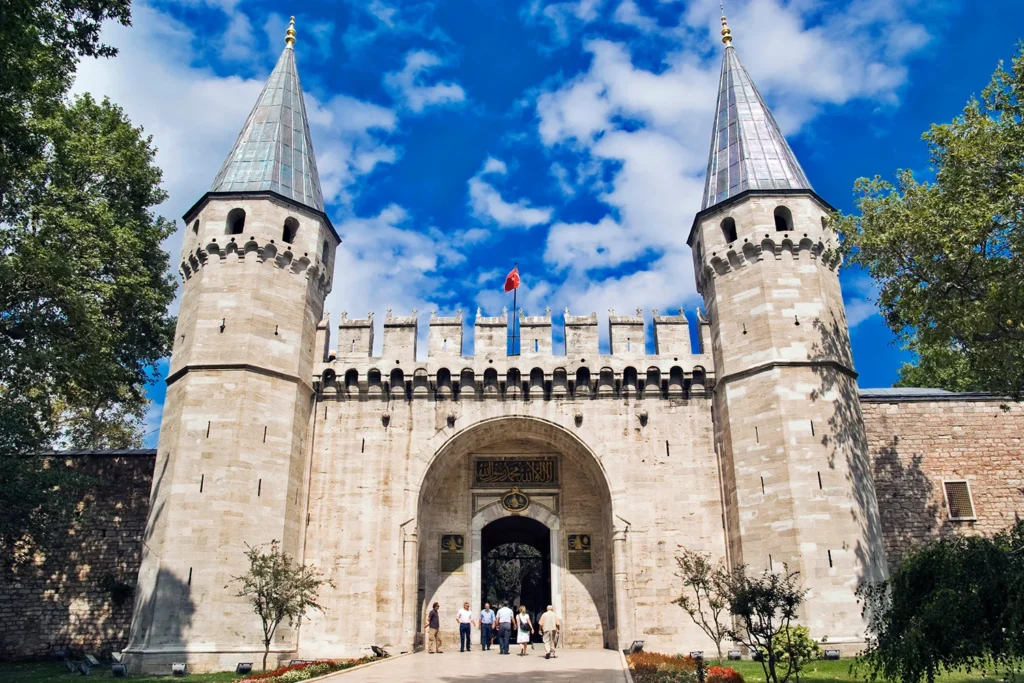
{"points": [[79, 593], [917, 444]]}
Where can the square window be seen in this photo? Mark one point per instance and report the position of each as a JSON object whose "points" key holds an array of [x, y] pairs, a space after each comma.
{"points": [[958, 500]]}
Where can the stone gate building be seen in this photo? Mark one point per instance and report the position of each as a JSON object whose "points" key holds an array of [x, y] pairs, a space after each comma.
{"points": [[396, 474]]}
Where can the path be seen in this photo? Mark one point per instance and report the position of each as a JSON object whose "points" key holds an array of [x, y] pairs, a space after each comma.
{"points": [[476, 666]]}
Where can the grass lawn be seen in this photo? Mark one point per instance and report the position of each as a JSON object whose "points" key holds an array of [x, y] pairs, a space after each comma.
{"points": [[823, 671], [56, 672]]}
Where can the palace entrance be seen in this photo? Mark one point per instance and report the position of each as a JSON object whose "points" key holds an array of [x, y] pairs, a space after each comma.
{"points": [[516, 564], [517, 509]]}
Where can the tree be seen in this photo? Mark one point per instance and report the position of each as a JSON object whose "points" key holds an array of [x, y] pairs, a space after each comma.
{"points": [[705, 596], [948, 254], [41, 42], [278, 589], [765, 607], [956, 603], [84, 291]]}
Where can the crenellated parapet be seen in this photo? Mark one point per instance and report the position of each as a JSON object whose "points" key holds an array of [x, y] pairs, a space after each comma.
{"points": [[628, 371], [737, 255], [232, 251]]}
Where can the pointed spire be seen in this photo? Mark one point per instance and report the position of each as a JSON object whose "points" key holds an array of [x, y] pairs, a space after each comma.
{"points": [[274, 151], [748, 151]]}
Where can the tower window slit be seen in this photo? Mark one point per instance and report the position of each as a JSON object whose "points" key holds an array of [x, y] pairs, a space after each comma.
{"points": [[757, 437], [819, 481], [771, 565], [264, 433], [362, 448], [762, 486], [202, 479], [812, 427], [190, 576], [829, 558], [667, 452], [208, 429], [536, 345], [353, 346], [259, 488]]}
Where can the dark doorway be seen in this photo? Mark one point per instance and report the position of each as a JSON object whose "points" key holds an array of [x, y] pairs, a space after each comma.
{"points": [[516, 564]]}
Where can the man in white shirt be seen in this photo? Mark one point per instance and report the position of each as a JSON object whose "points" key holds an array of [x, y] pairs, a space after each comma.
{"points": [[504, 618], [465, 619], [549, 626]]}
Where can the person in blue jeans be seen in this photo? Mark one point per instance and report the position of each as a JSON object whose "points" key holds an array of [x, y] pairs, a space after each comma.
{"points": [[465, 619], [486, 625], [504, 617]]}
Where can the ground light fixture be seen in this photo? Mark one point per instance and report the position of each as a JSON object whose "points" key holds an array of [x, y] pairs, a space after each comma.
{"points": [[118, 670], [831, 654], [179, 669], [243, 668], [636, 646], [735, 655]]}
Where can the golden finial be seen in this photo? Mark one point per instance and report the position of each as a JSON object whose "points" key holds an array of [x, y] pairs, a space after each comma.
{"points": [[289, 35], [726, 33]]}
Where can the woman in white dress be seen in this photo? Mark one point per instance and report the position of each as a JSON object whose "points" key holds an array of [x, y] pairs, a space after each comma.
{"points": [[524, 630]]}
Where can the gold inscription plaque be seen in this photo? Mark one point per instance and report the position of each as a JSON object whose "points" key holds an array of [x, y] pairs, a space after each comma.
{"points": [[502, 472], [580, 557], [452, 552]]}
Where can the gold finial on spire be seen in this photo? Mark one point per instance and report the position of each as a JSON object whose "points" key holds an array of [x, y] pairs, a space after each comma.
{"points": [[289, 35], [726, 33]]}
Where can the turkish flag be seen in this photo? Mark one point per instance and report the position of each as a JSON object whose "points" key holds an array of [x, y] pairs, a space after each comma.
{"points": [[512, 280]]}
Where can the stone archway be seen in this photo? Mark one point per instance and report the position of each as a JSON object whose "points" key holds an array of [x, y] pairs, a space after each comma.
{"points": [[454, 506]]}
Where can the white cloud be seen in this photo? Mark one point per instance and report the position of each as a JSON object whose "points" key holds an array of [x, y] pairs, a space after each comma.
{"points": [[647, 129], [408, 84], [488, 205], [860, 295], [563, 17]]}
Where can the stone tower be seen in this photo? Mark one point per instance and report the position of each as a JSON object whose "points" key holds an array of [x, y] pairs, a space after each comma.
{"points": [[232, 460], [789, 430]]}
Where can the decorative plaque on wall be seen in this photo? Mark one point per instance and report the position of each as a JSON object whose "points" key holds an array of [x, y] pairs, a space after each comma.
{"points": [[452, 552], [580, 558], [534, 472]]}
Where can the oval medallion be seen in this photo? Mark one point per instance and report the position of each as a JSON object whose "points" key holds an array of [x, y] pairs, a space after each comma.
{"points": [[515, 500]]}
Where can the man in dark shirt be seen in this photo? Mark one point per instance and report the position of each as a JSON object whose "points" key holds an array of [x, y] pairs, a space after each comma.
{"points": [[433, 630]]}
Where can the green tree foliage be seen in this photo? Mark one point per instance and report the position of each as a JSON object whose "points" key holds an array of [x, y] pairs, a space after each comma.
{"points": [[765, 607], [705, 594], [956, 603], [949, 254], [41, 42], [84, 290], [514, 574], [278, 589]]}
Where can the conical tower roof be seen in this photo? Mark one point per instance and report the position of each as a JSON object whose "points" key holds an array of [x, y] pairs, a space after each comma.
{"points": [[274, 151], [748, 151]]}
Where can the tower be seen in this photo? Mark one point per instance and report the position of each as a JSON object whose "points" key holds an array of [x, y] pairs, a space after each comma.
{"points": [[788, 424], [232, 459]]}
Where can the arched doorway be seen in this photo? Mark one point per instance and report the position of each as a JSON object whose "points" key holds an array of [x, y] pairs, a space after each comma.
{"points": [[515, 564], [463, 517]]}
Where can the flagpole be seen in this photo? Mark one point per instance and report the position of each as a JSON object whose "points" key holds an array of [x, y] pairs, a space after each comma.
{"points": [[515, 315]]}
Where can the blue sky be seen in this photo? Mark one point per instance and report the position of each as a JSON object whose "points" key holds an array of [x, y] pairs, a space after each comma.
{"points": [[455, 137]]}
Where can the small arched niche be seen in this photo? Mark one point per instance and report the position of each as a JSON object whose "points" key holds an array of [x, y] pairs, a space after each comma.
{"points": [[783, 219], [729, 229], [236, 221], [290, 230]]}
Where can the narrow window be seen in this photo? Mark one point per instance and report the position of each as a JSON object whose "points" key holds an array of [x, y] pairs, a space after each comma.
{"points": [[353, 346], [236, 221], [195, 227], [783, 219], [829, 558], [326, 251], [819, 481], [771, 565], [668, 454], [812, 427], [190, 576], [536, 346], [207, 429], [202, 478], [757, 437], [362, 449], [627, 344], [291, 228], [264, 433], [729, 230], [259, 488], [762, 486]]}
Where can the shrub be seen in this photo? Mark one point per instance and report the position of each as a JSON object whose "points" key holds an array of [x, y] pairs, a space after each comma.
{"points": [[305, 671], [654, 667], [723, 674], [795, 646]]}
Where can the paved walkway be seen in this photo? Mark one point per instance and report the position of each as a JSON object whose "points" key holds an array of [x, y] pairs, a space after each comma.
{"points": [[476, 666]]}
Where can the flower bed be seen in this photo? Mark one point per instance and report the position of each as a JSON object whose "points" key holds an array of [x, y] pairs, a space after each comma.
{"points": [[305, 671], [654, 667]]}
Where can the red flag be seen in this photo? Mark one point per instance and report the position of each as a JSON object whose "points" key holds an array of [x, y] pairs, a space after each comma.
{"points": [[512, 280]]}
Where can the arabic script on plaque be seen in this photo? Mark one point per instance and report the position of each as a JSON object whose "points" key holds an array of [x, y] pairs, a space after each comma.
{"points": [[502, 472]]}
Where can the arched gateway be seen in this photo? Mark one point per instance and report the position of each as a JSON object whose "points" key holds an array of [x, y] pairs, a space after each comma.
{"points": [[508, 486]]}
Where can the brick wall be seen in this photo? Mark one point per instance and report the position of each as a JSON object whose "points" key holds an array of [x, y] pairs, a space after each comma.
{"points": [[79, 593], [917, 444]]}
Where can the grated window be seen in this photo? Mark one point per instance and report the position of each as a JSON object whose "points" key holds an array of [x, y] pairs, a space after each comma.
{"points": [[958, 500]]}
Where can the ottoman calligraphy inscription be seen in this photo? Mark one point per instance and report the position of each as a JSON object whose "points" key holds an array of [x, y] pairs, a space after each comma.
{"points": [[502, 472]]}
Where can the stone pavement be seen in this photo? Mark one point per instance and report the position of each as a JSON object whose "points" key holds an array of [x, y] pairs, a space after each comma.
{"points": [[452, 666]]}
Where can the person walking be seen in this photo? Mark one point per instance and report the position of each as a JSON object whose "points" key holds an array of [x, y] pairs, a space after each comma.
{"points": [[525, 629], [550, 624], [434, 630], [465, 619], [505, 617], [486, 625]]}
